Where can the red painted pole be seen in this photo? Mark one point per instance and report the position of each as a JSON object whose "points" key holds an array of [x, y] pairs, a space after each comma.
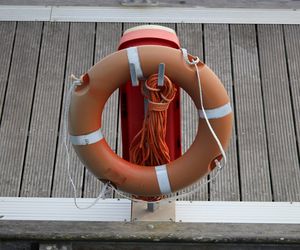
{"points": [[132, 101]]}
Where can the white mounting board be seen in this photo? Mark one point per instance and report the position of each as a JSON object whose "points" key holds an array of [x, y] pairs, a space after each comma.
{"points": [[238, 212], [64, 209]]}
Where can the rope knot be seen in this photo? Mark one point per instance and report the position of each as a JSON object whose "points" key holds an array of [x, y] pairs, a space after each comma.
{"points": [[75, 80], [158, 98]]}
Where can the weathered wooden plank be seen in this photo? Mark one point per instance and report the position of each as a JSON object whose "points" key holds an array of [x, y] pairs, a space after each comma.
{"points": [[131, 25], [17, 109], [284, 163], [119, 145], [7, 35], [218, 58], [107, 40], [171, 3], [39, 162], [292, 42], [190, 37], [79, 59], [253, 154]]}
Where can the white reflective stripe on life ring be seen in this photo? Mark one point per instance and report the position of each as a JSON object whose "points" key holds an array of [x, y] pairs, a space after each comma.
{"points": [[87, 139], [217, 112], [163, 179], [136, 72]]}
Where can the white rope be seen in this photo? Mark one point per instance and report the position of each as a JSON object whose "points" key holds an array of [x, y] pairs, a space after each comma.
{"points": [[208, 123], [195, 62], [76, 82]]}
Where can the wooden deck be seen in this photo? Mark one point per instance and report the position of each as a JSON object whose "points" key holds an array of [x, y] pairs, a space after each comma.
{"points": [[258, 64]]}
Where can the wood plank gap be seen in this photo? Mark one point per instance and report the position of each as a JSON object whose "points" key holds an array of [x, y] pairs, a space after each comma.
{"points": [[264, 112], [8, 73], [118, 122], [61, 111], [235, 118], [122, 27], [291, 96], [31, 109], [203, 59], [119, 144]]}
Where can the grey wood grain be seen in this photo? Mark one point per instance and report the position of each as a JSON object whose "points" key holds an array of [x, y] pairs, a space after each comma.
{"points": [[167, 3], [190, 37], [119, 146], [131, 25], [7, 35], [79, 59], [292, 41], [218, 58], [40, 155], [284, 163], [253, 154], [107, 40], [17, 109]]}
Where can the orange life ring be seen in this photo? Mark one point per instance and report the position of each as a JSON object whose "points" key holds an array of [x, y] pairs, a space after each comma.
{"points": [[110, 73]]}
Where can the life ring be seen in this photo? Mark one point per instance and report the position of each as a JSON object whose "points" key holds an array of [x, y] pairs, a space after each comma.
{"points": [[88, 100]]}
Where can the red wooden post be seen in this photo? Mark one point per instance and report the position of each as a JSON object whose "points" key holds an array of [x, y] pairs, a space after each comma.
{"points": [[132, 101]]}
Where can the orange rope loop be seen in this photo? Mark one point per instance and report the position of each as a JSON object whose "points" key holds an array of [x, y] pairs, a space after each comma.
{"points": [[149, 147]]}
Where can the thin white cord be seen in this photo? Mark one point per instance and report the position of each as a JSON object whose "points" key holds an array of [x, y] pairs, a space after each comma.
{"points": [[195, 62], [76, 82], [207, 120]]}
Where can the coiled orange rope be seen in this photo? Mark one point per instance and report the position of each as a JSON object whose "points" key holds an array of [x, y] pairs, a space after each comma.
{"points": [[149, 147]]}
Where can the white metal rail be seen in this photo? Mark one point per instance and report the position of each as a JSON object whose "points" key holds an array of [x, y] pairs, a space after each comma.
{"points": [[63, 209], [148, 14]]}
